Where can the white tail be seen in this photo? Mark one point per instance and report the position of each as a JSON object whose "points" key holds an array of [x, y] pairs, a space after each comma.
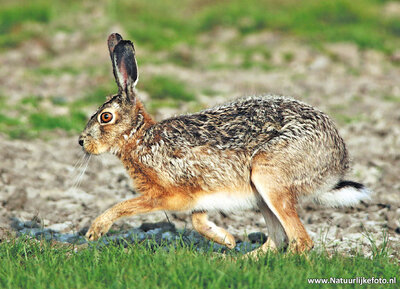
{"points": [[345, 193]]}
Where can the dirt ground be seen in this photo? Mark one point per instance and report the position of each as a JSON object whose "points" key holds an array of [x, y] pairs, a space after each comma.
{"points": [[359, 89]]}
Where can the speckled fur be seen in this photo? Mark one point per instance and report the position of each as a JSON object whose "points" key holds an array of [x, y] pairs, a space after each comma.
{"points": [[263, 151], [215, 147]]}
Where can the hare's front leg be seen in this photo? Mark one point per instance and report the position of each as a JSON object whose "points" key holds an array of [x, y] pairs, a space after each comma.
{"points": [[102, 223], [211, 231]]}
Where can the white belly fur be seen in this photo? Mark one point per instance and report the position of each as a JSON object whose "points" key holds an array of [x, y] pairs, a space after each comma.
{"points": [[226, 202]]}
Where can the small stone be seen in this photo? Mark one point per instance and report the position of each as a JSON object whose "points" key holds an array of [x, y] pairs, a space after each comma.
{"points": [[193, 237], [60, 227], [344, 221], [79, 240], [117, 239], [31, 224], [355, 228], [17, 200], [44, 234], [30, 231], [17, 224], [65, 238], [257, 237], [169, 236], [137, 237], [244, 247], [164, 226], [372, 208], [320, 63], [218, 248], [155, 231], [83, 231], [393, 224], [391, 215]]}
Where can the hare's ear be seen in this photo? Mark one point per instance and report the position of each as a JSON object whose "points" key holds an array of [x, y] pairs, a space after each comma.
{"points": [[125, 66], [112, 41]]}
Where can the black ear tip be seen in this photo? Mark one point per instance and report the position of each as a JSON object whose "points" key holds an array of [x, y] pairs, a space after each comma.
{"points": [[125, 45], [114, 37], [113, 41]]}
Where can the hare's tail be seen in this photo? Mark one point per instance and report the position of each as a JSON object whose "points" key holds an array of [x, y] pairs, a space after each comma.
{"points": [[345, 193]]}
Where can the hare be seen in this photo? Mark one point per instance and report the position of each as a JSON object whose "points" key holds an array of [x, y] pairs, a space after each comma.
{"points": [[261, 152]]}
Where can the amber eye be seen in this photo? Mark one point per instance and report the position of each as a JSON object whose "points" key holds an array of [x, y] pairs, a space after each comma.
{"points": [[106, 117]]}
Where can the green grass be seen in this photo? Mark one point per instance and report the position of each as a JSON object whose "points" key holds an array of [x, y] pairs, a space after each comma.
{"points": [[344, 116], [29, 264], [358, 21], [43, 121], [97, 95], [158, 24], [57, 71], [41, 124], [16, 18], [163, 87], [34, 121], [391, 98], [165, 91], [163, 24]]}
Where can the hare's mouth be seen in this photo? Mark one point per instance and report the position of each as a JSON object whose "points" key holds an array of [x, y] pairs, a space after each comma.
{"points": [[93, 149], [90, 146]]}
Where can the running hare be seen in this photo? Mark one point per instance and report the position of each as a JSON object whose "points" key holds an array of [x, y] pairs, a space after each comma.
{"points": [[260, 152]]}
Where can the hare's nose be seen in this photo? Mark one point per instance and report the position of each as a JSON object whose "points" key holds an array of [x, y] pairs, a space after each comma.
{"points": [[80, 142]]}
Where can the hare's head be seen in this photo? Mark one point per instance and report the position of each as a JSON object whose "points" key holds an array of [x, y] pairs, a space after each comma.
{"points": [[118, 116]]}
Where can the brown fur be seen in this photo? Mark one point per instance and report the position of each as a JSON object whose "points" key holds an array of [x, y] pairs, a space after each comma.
{"points": [[263, 151], [211, 231]]}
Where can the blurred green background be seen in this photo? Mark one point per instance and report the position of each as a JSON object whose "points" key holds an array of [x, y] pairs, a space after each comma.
{"points": [[55, 69]]}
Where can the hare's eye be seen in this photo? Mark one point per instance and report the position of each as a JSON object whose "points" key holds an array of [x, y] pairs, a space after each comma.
{"points": [[106, 117]]}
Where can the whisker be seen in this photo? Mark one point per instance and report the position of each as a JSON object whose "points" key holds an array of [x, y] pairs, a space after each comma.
{"points": [[78, 165], [79, 162], [83, 171], [83, 167]]}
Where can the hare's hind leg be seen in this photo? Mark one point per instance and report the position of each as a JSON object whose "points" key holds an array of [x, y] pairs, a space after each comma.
{"points": [[276, 234], [269, 181], [211, 231]]}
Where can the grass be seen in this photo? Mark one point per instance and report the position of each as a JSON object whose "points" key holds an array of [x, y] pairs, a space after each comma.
{"points": [[356, 21], [57, 71], [36, 121], [16, 19], [25, 263], [391, 98], [39, 124], [43, 121], [165, 91], [163, 24], [158, 24], [97, 96], [162, 87]]}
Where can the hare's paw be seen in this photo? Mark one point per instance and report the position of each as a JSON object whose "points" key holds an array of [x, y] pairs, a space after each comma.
{"points": [[99, 228]]}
